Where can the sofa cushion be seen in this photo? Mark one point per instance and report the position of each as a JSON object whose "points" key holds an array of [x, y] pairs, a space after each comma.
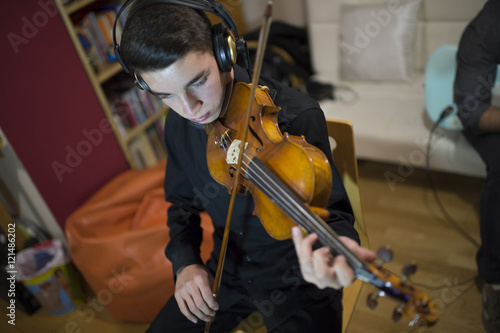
{"points": [[377, 41]]}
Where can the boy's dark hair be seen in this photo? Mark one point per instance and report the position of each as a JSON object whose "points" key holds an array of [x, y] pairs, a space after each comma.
{"points": [[156, 35]]}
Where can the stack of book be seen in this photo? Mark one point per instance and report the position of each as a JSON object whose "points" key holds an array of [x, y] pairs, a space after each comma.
{"points": [[95, 32], [132, 107]]}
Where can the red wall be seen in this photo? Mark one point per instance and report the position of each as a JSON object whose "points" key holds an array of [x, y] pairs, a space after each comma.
{"points": [[49, 111]]}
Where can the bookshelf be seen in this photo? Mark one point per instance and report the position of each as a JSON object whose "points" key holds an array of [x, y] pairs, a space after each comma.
{"points": [[138, 126]]}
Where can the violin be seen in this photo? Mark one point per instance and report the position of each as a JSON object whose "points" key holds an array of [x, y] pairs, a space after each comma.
{"points": [[286, 196], [290, 181]]}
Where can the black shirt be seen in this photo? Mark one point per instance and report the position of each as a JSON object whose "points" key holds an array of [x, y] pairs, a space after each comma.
{"points": [[477, 60], [190, 188]]}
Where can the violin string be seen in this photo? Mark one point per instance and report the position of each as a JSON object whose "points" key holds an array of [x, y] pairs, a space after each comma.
{"points": [[302, 214], [298, 216], [304, 217], [272, 189]]}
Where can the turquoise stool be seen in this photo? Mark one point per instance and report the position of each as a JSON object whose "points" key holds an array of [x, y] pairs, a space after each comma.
{"points": [[439, 78]]}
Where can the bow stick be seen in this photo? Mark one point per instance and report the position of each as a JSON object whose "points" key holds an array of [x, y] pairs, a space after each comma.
{"points": [[263, 35]]}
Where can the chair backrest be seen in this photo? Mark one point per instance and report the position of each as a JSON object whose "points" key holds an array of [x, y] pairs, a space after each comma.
{"points": [[344, 156]]}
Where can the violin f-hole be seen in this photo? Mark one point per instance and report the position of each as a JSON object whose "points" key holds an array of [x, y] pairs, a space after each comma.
{"points": [[231, 171], [252, 118]]}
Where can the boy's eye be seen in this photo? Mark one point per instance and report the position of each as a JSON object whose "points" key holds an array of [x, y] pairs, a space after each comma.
{"points": [[201, 82], [164, 96]]}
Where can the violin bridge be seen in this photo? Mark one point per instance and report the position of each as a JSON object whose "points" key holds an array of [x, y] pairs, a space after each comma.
{"points": [[233, 152]]}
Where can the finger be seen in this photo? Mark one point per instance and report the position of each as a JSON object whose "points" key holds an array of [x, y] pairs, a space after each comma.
{"points": [[303, 245], [365, 254], [362, 252], [324, 273], [297, 238], [209, 299], [344, 273], [304, 250], [185, 309], [197, 304]]}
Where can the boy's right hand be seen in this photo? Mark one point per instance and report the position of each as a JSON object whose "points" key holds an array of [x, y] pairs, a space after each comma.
{"points": [[193, 293]]}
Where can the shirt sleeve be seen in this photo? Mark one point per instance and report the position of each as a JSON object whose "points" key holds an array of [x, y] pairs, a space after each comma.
{"points": [[477, 59], [185, 230]]}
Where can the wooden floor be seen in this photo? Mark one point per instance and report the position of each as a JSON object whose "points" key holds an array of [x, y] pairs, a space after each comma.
{"points": [[403, 214], [406, 216]]}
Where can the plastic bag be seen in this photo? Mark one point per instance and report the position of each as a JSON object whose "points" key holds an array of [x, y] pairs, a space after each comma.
{"points": [[45, 270]]}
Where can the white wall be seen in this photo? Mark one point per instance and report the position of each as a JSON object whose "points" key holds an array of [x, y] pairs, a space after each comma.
{"points": [[289, 11], [24, 192]]}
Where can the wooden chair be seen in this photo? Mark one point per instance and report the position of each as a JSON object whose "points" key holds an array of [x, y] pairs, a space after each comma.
{"points": [[344, 157]]}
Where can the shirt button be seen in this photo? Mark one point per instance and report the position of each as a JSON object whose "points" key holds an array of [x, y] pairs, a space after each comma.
{"points": [[248, 259], [250, 281], [240, 233]]}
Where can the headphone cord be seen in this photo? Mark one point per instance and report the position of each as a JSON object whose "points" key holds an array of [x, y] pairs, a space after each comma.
{"points": [[446, 112]]}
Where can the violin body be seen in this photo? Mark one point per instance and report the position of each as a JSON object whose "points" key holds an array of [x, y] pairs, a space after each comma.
{"points": [[302, 166]]}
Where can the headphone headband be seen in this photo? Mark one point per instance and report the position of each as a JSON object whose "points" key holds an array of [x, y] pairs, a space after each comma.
{"points": [[209, 6]]}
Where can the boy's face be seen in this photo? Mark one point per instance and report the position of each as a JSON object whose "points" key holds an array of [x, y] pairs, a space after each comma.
{"points": [[192, 86]]}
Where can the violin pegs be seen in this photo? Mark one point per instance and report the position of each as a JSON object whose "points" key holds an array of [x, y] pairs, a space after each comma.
{"points": [[408, 270], [398, 313], [372, 300], [384, 255]]}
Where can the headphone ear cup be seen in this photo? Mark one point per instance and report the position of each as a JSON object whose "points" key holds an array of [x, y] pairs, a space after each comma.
{"points": [[140, 83], [224, 47]]}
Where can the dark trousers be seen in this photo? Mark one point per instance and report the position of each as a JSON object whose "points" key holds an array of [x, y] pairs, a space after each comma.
{"points": [[488, 256], [284, 308]]}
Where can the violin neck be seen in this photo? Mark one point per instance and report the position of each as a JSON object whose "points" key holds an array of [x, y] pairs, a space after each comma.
{"points": [[267, 182]]}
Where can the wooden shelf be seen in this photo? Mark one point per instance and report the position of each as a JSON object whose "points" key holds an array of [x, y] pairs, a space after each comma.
{"points": [[142, 127], [75, 6], [106, 72]]}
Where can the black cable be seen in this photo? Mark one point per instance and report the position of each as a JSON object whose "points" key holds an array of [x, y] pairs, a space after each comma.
{"points": [[439, 287], [446, 112]]}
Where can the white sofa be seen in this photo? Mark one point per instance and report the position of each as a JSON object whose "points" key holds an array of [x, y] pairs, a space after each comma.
{"points": [[389, 117]]}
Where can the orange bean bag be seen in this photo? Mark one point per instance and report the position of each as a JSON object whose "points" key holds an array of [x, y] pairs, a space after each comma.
{"points": [[117, 240]]}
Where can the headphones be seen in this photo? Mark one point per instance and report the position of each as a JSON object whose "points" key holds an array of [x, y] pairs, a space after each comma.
{"points": [[225, 39]]}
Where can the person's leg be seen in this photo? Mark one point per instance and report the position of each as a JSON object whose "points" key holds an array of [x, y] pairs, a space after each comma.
{"points": [[303, 308], [488, 256], [324, 315], [171, 319]]}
